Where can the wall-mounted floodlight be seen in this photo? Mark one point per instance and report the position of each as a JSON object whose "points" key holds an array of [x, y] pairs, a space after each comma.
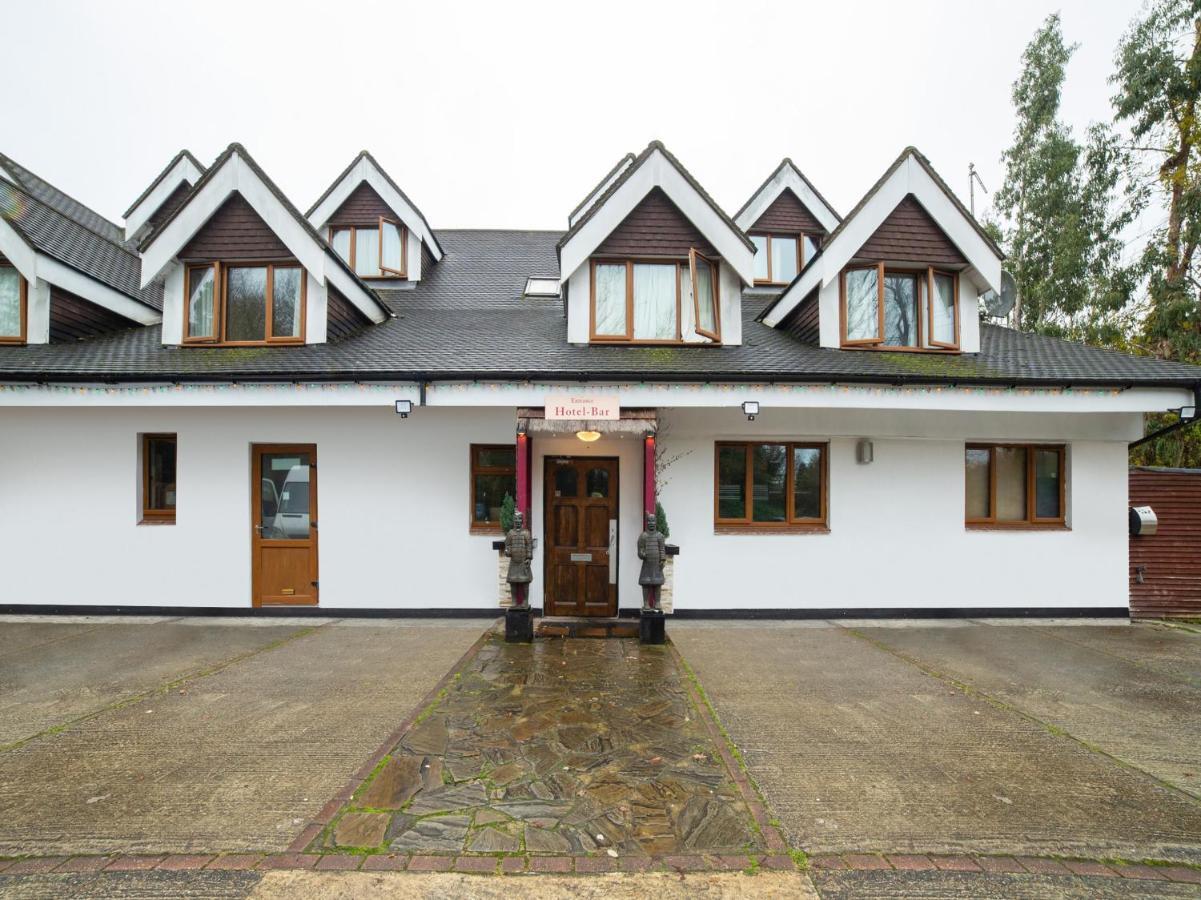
{"points": [[751, 408], [1188, 413], [403, 408]]}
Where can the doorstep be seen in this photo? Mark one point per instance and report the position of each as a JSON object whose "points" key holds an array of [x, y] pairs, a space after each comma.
{"points": [[586, 627]]}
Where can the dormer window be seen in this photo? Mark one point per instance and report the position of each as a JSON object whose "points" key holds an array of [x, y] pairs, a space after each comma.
{"points": [[373, 251], [245, 304], [12, 306], [640, 300], [779, 257], [887, 308]]}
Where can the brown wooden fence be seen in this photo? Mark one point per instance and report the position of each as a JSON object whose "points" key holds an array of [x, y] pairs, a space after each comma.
{"points": [[1165, 568]]}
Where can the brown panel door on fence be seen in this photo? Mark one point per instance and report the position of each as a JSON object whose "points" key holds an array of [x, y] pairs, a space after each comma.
{"points": [[580, 536], [283, 513]]}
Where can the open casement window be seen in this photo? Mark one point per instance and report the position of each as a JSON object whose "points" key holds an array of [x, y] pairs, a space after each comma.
{"points": [[244, 304], [158, 478], [705, 302], [779, 257], [640, 300], [889, 308], [373, 251], [773, 485], [14, 302], [493, 475], [1014, 485]]}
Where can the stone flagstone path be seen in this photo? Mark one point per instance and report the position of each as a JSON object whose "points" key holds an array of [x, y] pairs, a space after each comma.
{"points": [[568, 747]]}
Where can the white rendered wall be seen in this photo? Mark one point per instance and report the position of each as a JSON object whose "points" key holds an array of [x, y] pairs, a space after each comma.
{"points": [[394, 500], [896, 536]]}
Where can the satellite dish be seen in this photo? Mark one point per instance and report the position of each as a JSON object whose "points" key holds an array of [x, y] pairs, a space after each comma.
{"points": [[1000, 305]]}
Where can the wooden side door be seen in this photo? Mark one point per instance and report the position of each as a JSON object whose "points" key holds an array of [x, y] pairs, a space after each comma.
{"points": [[580, 536], [283, 535]]}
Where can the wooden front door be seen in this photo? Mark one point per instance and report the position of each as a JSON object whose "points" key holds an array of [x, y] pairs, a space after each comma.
{"points": [[283, 538], [581, 536]]}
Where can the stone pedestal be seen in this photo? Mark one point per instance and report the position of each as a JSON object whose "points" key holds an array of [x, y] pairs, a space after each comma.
{"points": [[652, 627], [519, 626]]}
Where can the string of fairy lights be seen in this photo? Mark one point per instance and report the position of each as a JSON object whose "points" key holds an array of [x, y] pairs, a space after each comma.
{"points": [[657, 389]]}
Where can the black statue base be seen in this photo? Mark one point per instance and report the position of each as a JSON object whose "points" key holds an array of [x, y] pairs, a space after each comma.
{"points": [[519, 626], [652, 627]]}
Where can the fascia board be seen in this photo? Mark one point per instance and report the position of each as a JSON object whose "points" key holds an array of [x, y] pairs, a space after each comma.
{"points": [[75, 282], [18, 251], [657, 171], [364, 171], [591, 199], [787, 177], [183, 170]]}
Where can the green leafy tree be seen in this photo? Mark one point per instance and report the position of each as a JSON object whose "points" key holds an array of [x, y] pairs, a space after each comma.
{"points": [[1158, 82], [1060, 221], [1158, 85]]}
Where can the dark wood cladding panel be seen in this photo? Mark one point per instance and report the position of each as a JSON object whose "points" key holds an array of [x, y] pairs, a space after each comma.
{"points": [[1169, 559], [363, 207], [173, 202], [789, 215], [805, 324], [73, 318], [910, 235], [235, 232], [655, 227], [343, 317]]}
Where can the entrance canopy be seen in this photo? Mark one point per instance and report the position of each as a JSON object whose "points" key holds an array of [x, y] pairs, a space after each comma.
{"points": [[636, 422]]}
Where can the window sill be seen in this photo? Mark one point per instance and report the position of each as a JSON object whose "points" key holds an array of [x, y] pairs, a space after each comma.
{"points": [[771, 529], [940, 351], [1017, 526], [156, 522], [485, 529]]}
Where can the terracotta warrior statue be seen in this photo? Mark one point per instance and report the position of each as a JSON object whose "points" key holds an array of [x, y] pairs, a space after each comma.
{"points": [[652, 550], [519, 547]]}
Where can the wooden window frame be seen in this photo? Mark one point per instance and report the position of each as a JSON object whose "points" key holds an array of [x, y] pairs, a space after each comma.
{"points": [[476, 526], [799, 237], [792, 523], [920, 274], [1031, 522], [220, 290], [714, 272], [23, 300], [379, 226], [150, 514], [683, 270]]}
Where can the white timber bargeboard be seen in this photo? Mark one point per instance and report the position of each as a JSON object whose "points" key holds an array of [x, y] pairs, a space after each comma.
{"points": [[364, 171], [41, 271], [910, 177], [657, 171], [591, 199], [787, 177], [236, 176], [184, 171]]}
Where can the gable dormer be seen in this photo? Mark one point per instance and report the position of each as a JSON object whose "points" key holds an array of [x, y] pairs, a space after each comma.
{"points": [[163, 196], [902, 272], [64, 273], [241, 266], [650, 258], [374, 227], [787, 221]]}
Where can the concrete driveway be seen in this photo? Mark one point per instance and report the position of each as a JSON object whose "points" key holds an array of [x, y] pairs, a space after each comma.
{"points": [[1079, 740], [213, 734]]}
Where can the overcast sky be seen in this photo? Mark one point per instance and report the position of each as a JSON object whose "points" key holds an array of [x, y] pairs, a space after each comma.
{"points": [[504, 114]]}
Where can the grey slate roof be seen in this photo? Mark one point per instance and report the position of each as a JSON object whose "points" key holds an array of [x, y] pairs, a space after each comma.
{"points": [[62, 203], [65, 239], [468, 319]]}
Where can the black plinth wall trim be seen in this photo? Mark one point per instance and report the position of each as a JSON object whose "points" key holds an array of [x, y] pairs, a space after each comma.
{"points": [[492, 612], [652, 628]]}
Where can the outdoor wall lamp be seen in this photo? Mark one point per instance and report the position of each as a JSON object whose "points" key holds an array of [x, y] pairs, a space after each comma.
{"points": [[588, 436], [751, 408], [864, 451], [403, 408]]}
